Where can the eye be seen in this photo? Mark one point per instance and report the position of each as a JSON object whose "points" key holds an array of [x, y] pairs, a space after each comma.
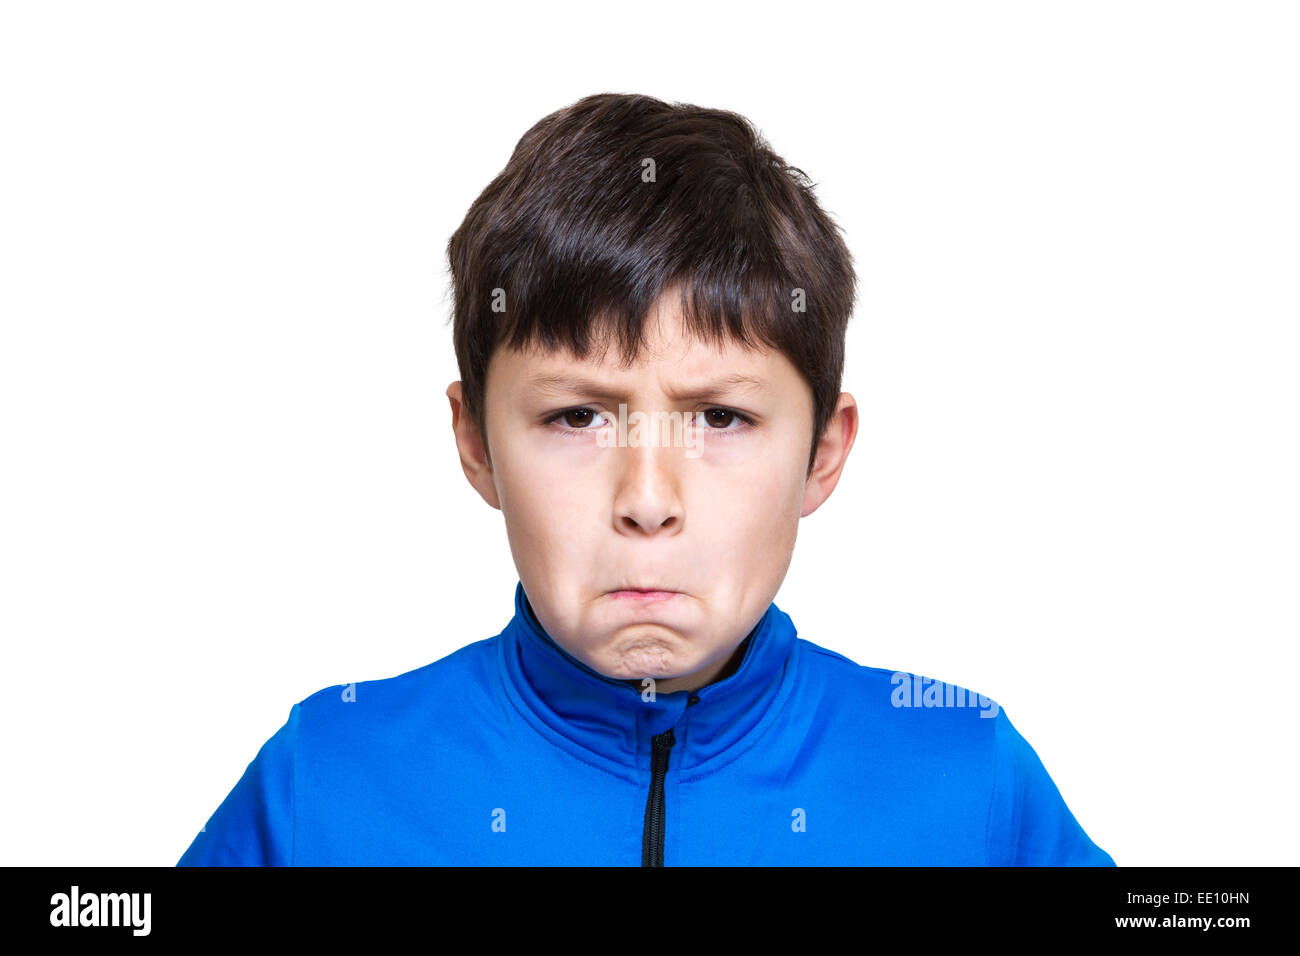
{"points": [[576, 420], [718, 420]]}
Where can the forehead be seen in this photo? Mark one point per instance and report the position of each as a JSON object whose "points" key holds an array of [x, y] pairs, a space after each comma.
{"points": [[669, 356]]}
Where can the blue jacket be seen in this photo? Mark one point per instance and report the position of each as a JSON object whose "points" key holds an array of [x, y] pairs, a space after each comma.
{"points": [[510, 751]]}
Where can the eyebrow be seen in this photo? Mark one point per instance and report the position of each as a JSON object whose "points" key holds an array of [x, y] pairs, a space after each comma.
{"points": [[563, 382]]}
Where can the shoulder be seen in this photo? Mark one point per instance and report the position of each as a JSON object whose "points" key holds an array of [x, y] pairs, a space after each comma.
{"points": [[897, 696], [442, 686], [949, 730], [1030, 823]]}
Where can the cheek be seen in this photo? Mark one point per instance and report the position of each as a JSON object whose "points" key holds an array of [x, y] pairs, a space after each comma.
{"points": [[532, 479], [762, 480], [749, 520], [548, 511]]}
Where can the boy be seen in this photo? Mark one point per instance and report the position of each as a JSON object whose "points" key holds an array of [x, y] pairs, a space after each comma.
{"points": [[650, 310]]}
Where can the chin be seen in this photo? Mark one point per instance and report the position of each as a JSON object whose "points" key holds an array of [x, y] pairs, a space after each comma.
{"points": [[632, 669]]}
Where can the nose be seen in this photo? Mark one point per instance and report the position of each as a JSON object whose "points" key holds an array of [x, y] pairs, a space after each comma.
{"points": [[648, 499]]}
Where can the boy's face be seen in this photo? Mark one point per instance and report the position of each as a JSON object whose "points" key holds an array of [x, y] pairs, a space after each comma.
{"points": [[706, 516]]}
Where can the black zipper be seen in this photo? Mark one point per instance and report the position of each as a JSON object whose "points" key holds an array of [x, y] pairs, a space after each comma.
{"points": [[652, 836]]}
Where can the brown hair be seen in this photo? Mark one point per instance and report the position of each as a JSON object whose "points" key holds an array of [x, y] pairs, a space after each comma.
{"points": [[606, 203]]}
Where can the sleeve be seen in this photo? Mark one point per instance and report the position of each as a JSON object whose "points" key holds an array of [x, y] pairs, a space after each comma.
{"points": [[1029, 823], [254, 826]]}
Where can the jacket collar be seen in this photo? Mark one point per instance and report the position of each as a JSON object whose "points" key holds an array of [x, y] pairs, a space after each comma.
{"points": [[610, 722]]}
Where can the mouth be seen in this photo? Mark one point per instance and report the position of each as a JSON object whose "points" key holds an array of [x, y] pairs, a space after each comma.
{"points": [[642, 595]]}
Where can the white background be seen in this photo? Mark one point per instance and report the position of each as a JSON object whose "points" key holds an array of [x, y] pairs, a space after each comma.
{"points": [[228, 477]]}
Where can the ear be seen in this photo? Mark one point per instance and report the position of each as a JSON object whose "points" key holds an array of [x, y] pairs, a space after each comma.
{"points": [[832, 451], [473, 451]]}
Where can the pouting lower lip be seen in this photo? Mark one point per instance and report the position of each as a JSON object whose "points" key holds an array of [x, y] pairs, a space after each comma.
{"points": [[635, 594]]}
